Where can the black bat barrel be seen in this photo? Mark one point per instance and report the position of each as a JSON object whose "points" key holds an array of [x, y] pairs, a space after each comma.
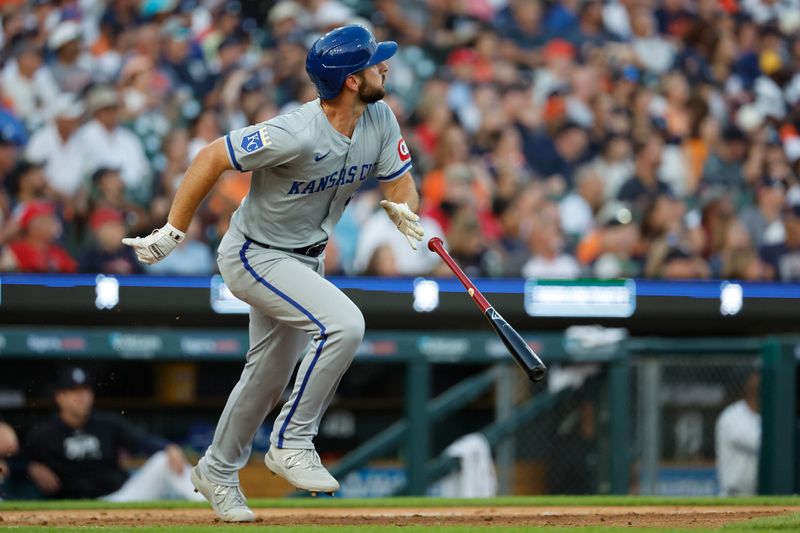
{"points": [[517, 347]]}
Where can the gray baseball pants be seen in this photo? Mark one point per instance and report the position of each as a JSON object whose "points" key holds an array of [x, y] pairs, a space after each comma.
{"points": [[290, 304]]}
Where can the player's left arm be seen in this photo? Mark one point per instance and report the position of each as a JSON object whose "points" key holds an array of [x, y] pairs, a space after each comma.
{"points": [[402, 191], [401, 200], [393, 172]]}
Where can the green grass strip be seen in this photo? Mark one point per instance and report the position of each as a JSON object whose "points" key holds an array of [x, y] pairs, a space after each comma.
{"points": [[784, 522], [326, 502]]}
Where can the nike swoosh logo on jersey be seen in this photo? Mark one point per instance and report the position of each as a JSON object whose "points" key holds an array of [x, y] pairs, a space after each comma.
{"points": [[320, 157]]}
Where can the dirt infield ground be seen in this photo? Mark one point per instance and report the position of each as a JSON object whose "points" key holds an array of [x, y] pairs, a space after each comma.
{"points": [[565, 516]]}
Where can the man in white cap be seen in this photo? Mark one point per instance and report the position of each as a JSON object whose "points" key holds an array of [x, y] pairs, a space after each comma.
{"points": [[111, 145], [55, 146], [287, 17], [72, 67]]}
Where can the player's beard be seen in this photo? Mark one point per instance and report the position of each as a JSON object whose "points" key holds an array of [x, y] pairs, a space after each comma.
{"points": [[370, 95]]}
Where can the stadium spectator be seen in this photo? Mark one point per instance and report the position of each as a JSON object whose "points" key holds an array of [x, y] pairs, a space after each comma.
{"points": [[26, 183], [510, 215], [654, 53], [724, 163], [674, 249], [577, 209], [645, 186], [36, 249], [738, 442], [182, 61], [77, 452], [558, 56], [717, 213], [105, 253], [589, 30], [617, 17], [746, 265], [29, 84], [729, 236], [226, 20], [173, 162], [451, 168], [676, 263], [108, 190], [285, 18], [72, 67], [763, 220], [56, 146], [204, 130], [610, 249], [506, 163], [467, 246], [784, 257], [557, 161], [615, 163], [12, 137], [139, 86], [546, 244], [113, 145], [520, 25], [562, 17]]}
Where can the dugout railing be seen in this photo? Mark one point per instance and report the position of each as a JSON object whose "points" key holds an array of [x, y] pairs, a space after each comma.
{"points": [[628, 368]]}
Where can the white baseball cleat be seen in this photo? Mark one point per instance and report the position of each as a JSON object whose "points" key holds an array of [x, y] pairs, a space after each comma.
{"points": [[301, 468], [227, 502]]}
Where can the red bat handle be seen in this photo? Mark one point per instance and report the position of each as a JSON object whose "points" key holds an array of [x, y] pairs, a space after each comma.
{"points": [[436, 245]]}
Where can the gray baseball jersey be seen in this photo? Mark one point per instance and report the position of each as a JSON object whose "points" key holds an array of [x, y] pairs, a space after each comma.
{"points": [[305, 171]]}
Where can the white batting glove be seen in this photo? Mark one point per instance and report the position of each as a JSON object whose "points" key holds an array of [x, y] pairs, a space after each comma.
{"points": [[406, 220], [157, 245]]}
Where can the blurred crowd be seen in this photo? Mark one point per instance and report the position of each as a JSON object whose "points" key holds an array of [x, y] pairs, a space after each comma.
{"points": [[550, 139]]}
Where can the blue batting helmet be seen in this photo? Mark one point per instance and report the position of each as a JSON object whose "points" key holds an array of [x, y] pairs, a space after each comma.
{"points": [[342, 52]]}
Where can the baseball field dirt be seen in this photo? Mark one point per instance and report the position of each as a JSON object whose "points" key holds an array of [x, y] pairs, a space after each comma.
{"points": [[431, 514]]}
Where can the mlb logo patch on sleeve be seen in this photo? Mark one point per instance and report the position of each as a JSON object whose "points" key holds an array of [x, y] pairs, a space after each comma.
{"points": [[256, 141]]}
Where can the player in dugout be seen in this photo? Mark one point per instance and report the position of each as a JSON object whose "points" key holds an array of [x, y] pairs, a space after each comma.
{"points": [[76, 453]]}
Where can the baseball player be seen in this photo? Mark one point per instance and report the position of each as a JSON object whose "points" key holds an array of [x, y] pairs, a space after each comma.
{"points": [[306, 165]]}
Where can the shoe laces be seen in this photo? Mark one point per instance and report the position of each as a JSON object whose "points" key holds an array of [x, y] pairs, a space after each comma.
{"points": [[308, 458]]}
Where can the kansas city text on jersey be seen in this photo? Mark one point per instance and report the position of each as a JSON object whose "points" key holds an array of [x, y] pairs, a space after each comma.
{"points": [[341, 177]]}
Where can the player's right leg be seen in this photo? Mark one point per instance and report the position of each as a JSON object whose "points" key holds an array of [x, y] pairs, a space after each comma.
{"points": [[273, 354]]}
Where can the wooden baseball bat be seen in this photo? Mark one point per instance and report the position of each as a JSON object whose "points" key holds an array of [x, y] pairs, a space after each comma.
{"points": [[526, 358]]}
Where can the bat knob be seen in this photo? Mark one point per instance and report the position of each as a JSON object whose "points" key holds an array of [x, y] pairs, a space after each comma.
{"points": [[433, 242]]}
